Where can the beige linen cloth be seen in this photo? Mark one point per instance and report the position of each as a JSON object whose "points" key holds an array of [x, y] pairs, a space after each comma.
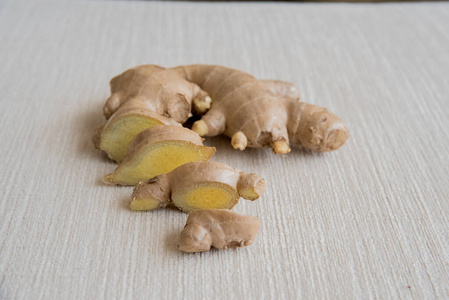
{"points": [[367, 221]]}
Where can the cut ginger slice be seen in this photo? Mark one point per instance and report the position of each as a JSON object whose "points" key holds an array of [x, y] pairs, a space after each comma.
{"points": [[123, 126], [116, 137], [159, 158], [156, 151]]}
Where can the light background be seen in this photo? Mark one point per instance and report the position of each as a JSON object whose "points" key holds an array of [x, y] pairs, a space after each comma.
{"points": [[367, 221]]}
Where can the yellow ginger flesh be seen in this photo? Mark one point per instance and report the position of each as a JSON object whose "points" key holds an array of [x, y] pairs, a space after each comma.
{"points": [[208, 195], [116, 138], [159, 150], [156, 160]]}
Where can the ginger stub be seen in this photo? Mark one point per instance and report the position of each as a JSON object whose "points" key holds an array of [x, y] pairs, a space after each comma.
{"points": [[219, 228], [252, 112], [159, 150], [197, 185]]}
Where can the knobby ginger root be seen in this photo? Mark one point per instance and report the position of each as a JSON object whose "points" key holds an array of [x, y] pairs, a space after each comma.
{"points": [[159, 150], [219, 228], [158, 89], [143, 97], [262, 113], [197, 185], [252, 112]]}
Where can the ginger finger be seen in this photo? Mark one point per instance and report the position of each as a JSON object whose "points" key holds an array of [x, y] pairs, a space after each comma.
{"points": [[265, 111]]}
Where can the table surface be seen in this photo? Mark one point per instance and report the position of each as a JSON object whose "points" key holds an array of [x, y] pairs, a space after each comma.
{"points": [[367, 221]]}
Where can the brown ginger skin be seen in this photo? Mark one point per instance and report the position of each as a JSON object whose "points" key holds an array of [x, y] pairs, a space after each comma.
{"points": [[198, 185], [219, 228], [155, 88], [130, 108], [263, 113]]}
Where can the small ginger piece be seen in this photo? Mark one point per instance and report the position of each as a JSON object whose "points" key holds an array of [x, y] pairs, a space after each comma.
{"points": [[158, 150], [197, 185], [220, 228]]}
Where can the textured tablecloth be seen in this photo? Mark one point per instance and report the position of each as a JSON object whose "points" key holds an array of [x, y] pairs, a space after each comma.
{"points": [[367, 221]]}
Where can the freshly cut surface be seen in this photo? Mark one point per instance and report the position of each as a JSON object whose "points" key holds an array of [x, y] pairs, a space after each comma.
{"points": [[156, 159], [127, 121], [207, 195], [116, 138], [159, 150]]}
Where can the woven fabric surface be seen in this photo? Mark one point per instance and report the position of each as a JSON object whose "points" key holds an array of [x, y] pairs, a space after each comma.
{"points": [[367, 221]]}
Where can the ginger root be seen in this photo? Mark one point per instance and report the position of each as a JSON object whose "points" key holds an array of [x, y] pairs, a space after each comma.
{"points": [[197, 185], [219, 228], [158, 150], [262, 113], [252, 112], [158, 89], [143, 97]]}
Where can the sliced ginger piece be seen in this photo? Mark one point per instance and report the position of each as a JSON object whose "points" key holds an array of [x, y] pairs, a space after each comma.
{"points": [[197, 185], [159, 150], [156, 159], [128, 121], [220, 228], [117, 137]]}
